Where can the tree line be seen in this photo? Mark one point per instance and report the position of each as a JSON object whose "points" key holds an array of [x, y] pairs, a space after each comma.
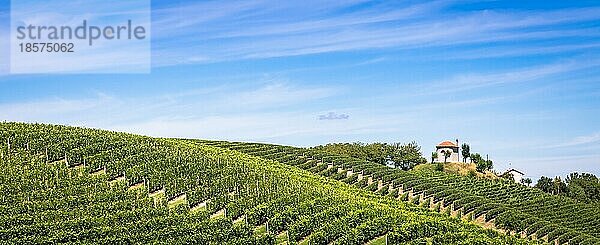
{"points": [[584, 187], [400, 155]]}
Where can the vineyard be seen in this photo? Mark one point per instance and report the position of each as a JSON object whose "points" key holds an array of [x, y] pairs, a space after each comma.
{"points": [[502, 204], [87, 186]]}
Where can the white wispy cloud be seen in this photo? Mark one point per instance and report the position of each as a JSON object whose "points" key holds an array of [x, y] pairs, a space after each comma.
{"points": [[277, 94], [593, 138], [353, 20], [232, 33], [258, 29], [55, 110], [464, 82], [505, 51], [283, 110], [196, 103]]}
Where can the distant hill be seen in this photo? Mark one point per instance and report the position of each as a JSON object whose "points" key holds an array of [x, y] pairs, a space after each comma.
{"points": [[74, 185], [499, 203]]}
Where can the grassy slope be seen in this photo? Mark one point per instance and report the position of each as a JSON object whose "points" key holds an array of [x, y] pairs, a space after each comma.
{"points": [[457, 168], [48, 200], [508, 205]]}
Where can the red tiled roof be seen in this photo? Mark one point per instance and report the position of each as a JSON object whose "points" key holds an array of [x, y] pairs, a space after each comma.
{"points": [[447, 143]]}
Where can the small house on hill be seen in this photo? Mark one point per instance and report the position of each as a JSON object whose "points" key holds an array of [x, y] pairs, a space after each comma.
{"points": [[447, 146], [517, 175]]}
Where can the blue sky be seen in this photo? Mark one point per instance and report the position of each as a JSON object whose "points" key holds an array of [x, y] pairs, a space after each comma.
{"points": [[518, 81]]}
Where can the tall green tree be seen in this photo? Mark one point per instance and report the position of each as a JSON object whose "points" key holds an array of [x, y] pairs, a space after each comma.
{"points": [[405, 156], [544, 184], [378, 152], [476, 158], [584, 187], [481, 164], [559, 186], [466, 151], [553, 186], [434, 155]]}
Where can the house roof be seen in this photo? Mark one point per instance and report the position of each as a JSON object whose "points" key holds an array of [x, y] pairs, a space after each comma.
{"points": [[447, 144], [514, 170]]}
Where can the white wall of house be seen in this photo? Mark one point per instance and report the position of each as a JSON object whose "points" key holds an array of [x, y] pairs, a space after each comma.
{"points": [[517, 176], [453, 157]]}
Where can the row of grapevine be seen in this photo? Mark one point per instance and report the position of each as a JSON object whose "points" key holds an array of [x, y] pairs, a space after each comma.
{"points": [[508, 205], [49, 195]]}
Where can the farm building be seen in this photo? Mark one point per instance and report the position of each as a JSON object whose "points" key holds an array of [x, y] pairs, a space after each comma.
{"points": [[516, 174], [447, 146]]}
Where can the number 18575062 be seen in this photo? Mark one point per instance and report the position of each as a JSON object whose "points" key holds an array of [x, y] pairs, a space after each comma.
{"points": [[47, 47]]}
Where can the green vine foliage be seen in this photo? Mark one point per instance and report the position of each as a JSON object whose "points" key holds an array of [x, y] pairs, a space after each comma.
{"points": [[75, 185], [508, 205]]}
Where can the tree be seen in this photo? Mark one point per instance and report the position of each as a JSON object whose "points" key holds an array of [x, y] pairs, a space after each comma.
{"points": [[438, 166], [559, 186], [476, 158], [584, 187], [544, 184], [404, 156], [485, 165], [378, 152], [447, 154], [481, 164], [553, 186], [466, 151], [526, 181]]}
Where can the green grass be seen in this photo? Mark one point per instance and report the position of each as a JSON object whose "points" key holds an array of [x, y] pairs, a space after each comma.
{"points": [[281, 238], [181, 201], [378, 241], [260, 230]]}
